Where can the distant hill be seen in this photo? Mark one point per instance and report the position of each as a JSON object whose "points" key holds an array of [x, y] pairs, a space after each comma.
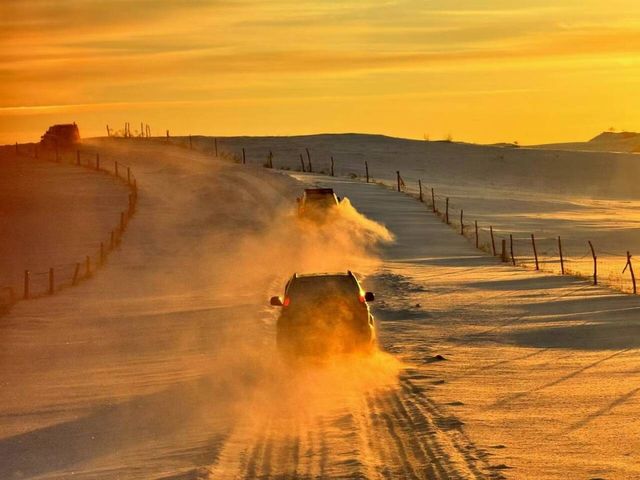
{"points": [[627, 142], [614, 136]]}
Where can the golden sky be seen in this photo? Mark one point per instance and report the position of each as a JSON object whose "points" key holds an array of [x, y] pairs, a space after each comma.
{"points": [[501, 70]]}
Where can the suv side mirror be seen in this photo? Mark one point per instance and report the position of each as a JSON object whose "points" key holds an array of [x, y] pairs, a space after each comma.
{"points": [[275, 301], [369, 297]]}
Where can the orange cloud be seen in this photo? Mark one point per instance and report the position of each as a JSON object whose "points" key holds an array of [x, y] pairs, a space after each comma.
{"points": [[118, 56]]}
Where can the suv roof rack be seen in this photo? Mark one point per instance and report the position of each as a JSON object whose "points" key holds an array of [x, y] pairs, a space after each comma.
{"points": [[348, 273]]}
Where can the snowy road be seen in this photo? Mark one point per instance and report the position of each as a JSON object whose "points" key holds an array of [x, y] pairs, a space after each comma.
{"points": [[541, 369], [163, 365]]}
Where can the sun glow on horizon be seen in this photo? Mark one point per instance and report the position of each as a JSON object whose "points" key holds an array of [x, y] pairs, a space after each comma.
{"points": [[536, 71]]}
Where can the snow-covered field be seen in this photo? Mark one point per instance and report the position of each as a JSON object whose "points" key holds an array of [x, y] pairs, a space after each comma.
{"points": [[540, 371], [609, 141], [53, 215], [163, 364], [579, 196]]}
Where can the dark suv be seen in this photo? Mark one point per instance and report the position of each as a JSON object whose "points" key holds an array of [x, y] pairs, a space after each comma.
{"points": [[323, 314], [316, 203]]}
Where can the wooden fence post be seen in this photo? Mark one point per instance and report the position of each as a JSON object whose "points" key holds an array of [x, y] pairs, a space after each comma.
{"points": [[461, 222], [633, 277], [477, 238], [493, 242], [302, 163], [309, 160], [420, 189], [433, 201], [561, 257], [535, 251], [27, 285], [366, 169], [270, 158], [244, 156], [595, 264], [513, 258], [398, 179], [332, 172], [52, 284], [446, 215], [76, 274], [504, 250]]}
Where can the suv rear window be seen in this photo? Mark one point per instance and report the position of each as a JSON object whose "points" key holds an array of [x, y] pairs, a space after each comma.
{"points": [[318, 194], [312, 289], [320, 197]]}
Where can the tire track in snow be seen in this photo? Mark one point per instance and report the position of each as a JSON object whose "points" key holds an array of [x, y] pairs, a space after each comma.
{"points": [[387, 433], [394, 432], [449, 436], [428, 457], [252, 465], [417, 458]]}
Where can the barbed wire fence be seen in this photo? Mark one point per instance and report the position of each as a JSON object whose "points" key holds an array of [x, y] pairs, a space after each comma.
{"points": [[531, 250], [536, 250], [53, 278]]}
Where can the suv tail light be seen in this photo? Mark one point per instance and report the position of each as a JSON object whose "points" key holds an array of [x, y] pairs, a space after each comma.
{"points": [[286, 302]]}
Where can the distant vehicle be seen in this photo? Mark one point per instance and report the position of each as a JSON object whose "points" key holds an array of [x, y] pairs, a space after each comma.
{"points": [[316, 203], [323, 314], [61, 136]]}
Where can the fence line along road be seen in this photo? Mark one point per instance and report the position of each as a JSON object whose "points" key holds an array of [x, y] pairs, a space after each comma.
{"points": [[530, 250], [533, 250], [50, 279]]}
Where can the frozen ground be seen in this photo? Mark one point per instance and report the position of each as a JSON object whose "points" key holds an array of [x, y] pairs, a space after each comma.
{"points": [[604, 142], [580, 196], [52, 215], [541, 370], [162, 366]]}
